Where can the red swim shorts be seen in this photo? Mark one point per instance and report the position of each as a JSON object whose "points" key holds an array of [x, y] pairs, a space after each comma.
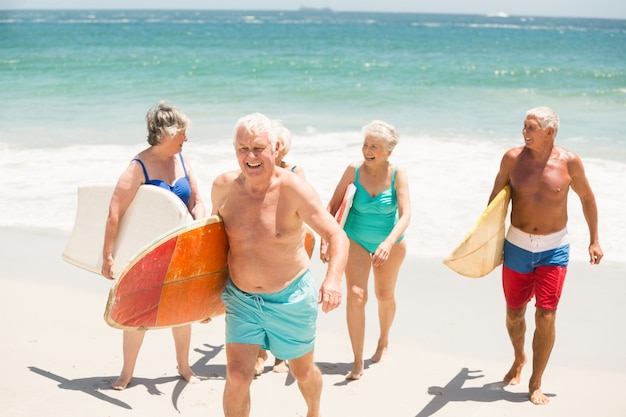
{"points": [[545, 283]]}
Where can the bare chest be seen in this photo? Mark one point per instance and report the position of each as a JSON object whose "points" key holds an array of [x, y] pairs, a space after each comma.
{"points": [[254, 219], [549, 181]]}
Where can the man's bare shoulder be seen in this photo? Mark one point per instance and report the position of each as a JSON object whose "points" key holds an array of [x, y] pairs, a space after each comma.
{"points": [[514, 152], [572, 161], [565, 154], [226, 177], [287, 179]]}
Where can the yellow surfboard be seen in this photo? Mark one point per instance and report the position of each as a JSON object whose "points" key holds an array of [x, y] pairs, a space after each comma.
{"points": [[481, 250]]}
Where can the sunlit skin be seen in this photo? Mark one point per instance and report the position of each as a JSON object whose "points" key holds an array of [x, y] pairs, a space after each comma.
{"points": [[265, 208], [162, 162], [375, 175], [280, 365], [540, 175]]}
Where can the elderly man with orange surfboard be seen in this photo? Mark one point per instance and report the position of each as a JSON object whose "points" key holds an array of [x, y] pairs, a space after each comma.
{"points": [[270, 298]]}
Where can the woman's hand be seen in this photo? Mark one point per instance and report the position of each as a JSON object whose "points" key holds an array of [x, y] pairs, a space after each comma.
{"points": [[107, 267], [382, 253]]}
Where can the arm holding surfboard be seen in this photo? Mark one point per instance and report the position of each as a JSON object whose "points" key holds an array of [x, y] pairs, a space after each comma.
{"points": [[379, 216], [539, 175], [162, 165], [480, 252]]}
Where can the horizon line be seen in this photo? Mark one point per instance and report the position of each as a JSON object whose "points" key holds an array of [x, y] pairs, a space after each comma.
{"points": [[321, 10]]}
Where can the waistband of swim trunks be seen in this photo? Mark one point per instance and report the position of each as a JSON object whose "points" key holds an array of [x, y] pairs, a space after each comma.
{"points": [[537, 243]]}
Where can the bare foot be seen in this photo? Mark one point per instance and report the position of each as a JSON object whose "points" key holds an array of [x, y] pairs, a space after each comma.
{"points": [[537, 397], [259, 367], [356, 373], [380, 354], [121, 383], [280, 366], [514, 375], [189, 376]]}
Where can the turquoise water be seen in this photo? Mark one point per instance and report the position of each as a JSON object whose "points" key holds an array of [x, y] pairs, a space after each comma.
{"points": [[77, 84], [331, 71]]}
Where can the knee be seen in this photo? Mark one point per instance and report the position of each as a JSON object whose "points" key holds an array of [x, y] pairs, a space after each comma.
{"points": [[357, 296], [515, 316], [305, 374], [237, 377], [385, 296], [545, 317]]}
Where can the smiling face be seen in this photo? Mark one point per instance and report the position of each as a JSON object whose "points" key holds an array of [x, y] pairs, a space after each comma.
{"points": [[255, 153], [535, 136], [374, 151]]}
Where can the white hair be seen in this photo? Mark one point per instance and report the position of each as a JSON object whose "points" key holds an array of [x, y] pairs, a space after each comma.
{"points": [[382, 130], [283, 135], [256, 123], [546, 117]]}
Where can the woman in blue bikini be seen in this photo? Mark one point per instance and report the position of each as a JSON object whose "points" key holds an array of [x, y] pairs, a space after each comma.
{"points": [[380, 214], [161, 164]]}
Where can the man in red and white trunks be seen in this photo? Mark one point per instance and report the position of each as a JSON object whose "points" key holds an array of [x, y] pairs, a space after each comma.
{"points": [[536, 252]]}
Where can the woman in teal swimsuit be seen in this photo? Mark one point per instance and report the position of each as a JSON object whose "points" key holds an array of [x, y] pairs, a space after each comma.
{"points": [[380, 214], [161, 165]]}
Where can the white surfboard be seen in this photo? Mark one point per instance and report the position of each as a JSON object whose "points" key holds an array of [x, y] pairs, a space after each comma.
{"points": [[153, 212], [346, 204], [481, 250]]}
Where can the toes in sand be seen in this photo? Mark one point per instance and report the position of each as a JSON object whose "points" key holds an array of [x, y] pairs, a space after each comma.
{"points": [[120, 383], [537, 397]]}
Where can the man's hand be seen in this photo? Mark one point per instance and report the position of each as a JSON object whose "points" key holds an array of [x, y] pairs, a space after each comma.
{"points": [[329, 297]]}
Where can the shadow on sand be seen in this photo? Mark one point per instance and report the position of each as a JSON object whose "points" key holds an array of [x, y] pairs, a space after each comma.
{"points": [[454, 391], [96, 386]]}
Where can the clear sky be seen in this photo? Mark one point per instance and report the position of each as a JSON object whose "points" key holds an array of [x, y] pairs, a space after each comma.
{"points": [[565, 8]]}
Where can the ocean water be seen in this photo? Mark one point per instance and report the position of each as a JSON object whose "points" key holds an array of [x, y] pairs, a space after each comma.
{"points": [[76, 86]]}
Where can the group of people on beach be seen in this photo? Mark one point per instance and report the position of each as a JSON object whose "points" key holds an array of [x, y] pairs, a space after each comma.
{"points": [[272, 300]]}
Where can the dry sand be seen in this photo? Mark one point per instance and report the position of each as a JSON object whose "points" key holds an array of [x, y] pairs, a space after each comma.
{"points": [[449, 349]]}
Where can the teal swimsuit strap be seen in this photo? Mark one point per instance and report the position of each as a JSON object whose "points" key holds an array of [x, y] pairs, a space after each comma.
{"points": [[393, 176]]}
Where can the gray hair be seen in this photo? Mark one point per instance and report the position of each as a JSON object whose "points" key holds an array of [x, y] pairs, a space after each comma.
{"points": [[382, 130], [257, 123], [283, 135], [546, 117], [164, 119]]}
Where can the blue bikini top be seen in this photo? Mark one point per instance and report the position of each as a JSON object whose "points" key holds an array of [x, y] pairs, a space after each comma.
{"points": [[181, 187]]}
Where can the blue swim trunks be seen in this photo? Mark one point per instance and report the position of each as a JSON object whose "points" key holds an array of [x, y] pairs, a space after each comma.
{"points": [[283, 322], [524, 252]]}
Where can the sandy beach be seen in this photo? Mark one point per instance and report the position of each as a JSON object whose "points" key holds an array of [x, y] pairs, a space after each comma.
{"points": [[449, 349]]}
